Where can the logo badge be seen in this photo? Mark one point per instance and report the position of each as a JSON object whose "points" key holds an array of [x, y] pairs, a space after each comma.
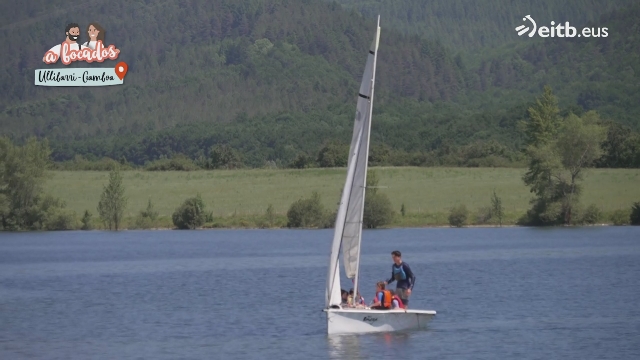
{"points": [[71, 49], [524, 28]]}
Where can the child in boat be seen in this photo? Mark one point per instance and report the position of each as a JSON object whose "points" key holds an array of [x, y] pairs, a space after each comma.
{"points": [[344, 295], [396, 302], [383, 299], [359, 302]]}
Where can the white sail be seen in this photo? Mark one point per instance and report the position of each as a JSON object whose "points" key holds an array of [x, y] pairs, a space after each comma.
{"points": [[333, 296], [348, 227], [352, 234]]}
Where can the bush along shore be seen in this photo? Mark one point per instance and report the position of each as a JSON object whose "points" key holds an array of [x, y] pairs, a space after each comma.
{"points": [[281, 221]]}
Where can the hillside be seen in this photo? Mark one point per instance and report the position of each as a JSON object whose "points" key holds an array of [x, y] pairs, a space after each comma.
{"points": [[593, 73], [208, 61], [277, 79]]}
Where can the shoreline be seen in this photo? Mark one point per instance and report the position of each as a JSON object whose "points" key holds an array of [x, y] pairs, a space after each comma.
{"points": [[286, 228]]}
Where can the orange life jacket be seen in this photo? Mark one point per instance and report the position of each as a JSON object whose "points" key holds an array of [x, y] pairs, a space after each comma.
{"points": [[396, 298], [386, 298]]}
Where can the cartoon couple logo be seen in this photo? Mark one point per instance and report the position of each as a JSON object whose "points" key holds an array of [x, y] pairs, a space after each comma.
{"points": [[71, 50]]}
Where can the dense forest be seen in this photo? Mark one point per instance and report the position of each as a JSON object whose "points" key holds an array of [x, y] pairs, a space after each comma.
{"points": [[209, 61], [275, 80]]}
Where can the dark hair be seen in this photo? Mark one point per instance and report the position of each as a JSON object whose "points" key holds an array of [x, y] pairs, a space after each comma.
{"points": [[343, 291], [396, 253], [71, 26], [101, 31]]}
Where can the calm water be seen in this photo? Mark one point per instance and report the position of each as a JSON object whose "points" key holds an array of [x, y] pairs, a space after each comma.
{"points": [[513, 293]]}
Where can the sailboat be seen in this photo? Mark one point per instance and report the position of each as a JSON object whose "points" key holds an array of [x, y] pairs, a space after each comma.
{"points": [[348, 230]]}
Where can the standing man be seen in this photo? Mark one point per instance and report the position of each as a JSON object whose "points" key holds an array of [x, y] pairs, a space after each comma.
{"points": [[401, 272]]}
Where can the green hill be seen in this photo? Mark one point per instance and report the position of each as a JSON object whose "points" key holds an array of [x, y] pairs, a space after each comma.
{"points": [[277, 79], [210, 61], [594, 73]]}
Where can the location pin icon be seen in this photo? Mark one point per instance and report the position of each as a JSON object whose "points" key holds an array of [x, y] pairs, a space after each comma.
{"points": [[121, 70]]}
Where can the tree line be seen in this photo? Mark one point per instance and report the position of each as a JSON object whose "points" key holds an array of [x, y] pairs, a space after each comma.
{"points": [[558, 149], [406, 134]]}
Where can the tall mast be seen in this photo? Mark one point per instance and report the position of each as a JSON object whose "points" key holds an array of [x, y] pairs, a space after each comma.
{"points": [[366, 161]]}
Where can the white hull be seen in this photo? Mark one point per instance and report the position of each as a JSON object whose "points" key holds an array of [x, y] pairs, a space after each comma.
{"points": [[359, 321]]}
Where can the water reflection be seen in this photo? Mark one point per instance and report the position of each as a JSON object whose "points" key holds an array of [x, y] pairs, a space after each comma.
{"points": [[354, 346], [344, 347], [392, 339]]}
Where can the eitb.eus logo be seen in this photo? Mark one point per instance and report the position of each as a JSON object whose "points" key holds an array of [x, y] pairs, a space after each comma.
{"points": [[559, 30]]}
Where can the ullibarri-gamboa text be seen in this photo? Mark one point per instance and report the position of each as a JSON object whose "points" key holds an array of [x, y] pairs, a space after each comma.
{"points": [[56, 76]]}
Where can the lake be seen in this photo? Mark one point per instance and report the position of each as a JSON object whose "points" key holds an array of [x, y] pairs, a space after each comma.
{"points": [[500, 293]]}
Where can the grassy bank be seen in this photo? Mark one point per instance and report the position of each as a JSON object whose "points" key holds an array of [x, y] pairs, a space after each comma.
{"points": [[239, 198]]}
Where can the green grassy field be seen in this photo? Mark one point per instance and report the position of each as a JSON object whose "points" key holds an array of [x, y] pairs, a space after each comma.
{"points": [[428, 193]]}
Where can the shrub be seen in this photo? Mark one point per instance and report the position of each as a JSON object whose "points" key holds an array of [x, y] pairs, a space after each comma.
{"points": [[497, 210], [333, 155], [552, 214], [379, 154], [224, 157], [458, 216], [270, 215], [60, 219], [177, 163], [301, 161], [190, 214], [141, 223], [306, 212], [330, 220], [620, 217], [270, 164], [377, 207], [51, 214], [592, 215], [149, 212], [377, 211], [86, 221], [634, 218], [403, 210], [146, 217], [484, 214], [112, 201]]}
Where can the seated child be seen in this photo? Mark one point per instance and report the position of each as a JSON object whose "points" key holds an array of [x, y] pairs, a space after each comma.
{"points": [[382, 299], [344, 295], [360, 298], [396, 302]]}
